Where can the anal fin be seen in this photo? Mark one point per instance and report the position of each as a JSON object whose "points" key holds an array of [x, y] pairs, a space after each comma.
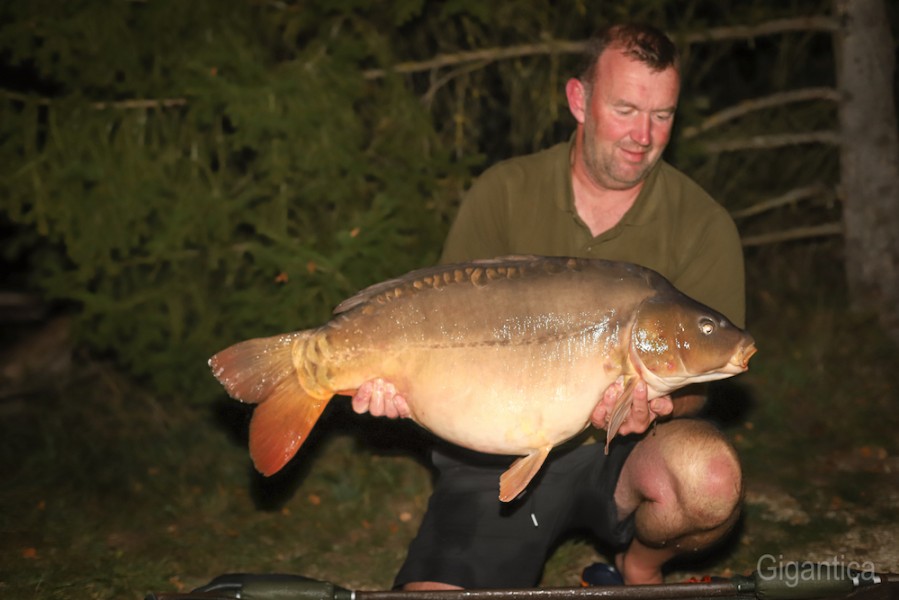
{"points": [[517, 477]]}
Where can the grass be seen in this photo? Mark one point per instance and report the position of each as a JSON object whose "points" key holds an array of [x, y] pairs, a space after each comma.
{"points": [[115, 509], [110, 492]]}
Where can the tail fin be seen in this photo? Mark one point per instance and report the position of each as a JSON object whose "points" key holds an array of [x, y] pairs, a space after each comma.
{"points": [[261, 371]]}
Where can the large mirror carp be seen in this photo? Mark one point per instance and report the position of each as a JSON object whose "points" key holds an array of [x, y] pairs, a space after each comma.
{"points": [[505, 356]]}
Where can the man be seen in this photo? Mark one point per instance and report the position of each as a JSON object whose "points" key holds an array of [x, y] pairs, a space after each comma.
{"points": [[604, 194]]}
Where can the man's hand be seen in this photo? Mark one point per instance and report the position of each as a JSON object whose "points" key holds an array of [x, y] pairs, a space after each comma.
{"points": [[379, 398], [642, 413]]}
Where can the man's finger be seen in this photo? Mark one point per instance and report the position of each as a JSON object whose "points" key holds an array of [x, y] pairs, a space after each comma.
{"points": [[388, 393], [662, 406], [640, 416], [376, 407], [403, 407], [362, 398]]}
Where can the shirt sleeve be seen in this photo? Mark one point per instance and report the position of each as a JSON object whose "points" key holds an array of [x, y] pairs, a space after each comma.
{"points": [[713, 271], [479, 229]]}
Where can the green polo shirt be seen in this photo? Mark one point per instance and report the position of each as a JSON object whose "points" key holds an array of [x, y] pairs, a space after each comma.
{"points": [[525, 205]]}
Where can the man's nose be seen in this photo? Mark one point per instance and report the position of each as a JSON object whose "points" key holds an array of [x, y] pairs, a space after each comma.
{"points": [[642, 129]]}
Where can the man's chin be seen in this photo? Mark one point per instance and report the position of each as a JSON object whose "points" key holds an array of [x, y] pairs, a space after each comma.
{"points": [[625, 181], [628, 175]]}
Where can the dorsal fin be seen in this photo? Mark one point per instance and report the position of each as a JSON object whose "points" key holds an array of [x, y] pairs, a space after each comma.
{"points": [[433, 277]]}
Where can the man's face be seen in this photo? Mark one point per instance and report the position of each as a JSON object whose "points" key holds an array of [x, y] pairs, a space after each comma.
{"points": [[627, 119]]}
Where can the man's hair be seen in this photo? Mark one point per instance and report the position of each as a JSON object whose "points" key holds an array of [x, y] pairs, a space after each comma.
{"points": [[641, 42]]}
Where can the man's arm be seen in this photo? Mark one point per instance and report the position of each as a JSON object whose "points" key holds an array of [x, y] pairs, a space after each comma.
{"points": [[689, 401], [713, 269], [478, 230]]}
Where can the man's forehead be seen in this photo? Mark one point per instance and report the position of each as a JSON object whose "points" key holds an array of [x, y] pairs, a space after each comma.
{"points": [[621, 78], [616, 58]]}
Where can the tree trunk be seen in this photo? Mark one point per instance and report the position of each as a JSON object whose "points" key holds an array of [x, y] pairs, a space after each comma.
{"points": [[869, 158]]}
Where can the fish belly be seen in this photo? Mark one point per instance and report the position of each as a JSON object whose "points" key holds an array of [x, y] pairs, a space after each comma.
{"points": [[499, 400], [506, 405]]}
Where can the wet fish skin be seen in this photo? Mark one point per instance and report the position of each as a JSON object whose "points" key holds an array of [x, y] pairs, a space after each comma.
{"points": [[507, 356]]}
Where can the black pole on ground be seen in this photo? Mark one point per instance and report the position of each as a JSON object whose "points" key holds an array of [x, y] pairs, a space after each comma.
{"points": [[809, 582]]}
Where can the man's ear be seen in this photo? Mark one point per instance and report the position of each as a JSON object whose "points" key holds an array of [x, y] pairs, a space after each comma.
{"points": [[577, 98]]}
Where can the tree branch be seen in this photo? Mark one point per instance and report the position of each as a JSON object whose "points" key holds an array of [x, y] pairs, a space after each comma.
{"points": [[747, 106], [798, 233], [141, 103], [717, 34], [818, 23], [442, 81], [764, 142], [791, 197], [120, 104], [487, 55]]}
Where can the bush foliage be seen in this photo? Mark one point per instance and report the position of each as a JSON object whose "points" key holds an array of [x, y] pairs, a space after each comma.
{"points": [[189, 174], [273, 183]]}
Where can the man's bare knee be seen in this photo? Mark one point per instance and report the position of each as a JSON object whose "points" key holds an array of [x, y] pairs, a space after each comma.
{"points": [[690, 480], [708, 474]]}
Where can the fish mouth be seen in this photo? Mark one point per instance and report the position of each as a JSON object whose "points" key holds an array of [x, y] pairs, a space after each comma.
{"points": [[740, 359]]}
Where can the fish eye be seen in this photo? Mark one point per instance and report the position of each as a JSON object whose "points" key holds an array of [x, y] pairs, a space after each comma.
{"points": [[707, 326]]}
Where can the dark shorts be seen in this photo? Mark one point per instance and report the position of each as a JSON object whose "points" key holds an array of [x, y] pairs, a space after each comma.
{"points": [[471, 539]]}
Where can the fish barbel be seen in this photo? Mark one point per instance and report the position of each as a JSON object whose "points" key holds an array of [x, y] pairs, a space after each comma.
{"points": [[505, 356]]}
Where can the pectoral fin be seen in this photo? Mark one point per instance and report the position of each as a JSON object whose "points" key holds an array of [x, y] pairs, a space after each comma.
{"points": [[620, 410], [517, 477]]}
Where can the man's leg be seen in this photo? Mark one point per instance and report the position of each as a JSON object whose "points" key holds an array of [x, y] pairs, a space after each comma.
{"points": [[468, 538], [684, 485]]}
